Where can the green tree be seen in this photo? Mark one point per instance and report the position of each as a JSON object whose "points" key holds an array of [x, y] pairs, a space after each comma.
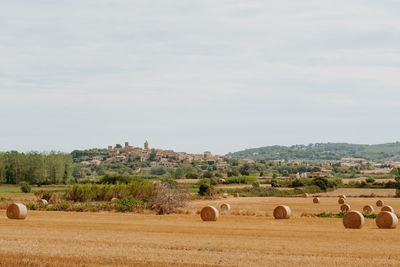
{"points": [[153, 155]]}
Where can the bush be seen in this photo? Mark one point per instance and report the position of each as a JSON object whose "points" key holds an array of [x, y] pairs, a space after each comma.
{"points": [[140, 190], [158, 170], [370, 180], [44, 194], [71, 181], [113, 178], [297, 183], [25, 187], [203, 188], [170, 181], [207, 174], [256, 184], [240, 180], [274, 183], [321, 183], [128, 204], [166, 200]]}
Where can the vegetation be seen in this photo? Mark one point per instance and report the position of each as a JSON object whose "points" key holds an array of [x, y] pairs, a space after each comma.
{"points": [[140, 190], [25, 187], [35, 168], [322, 152], [129, 204]]}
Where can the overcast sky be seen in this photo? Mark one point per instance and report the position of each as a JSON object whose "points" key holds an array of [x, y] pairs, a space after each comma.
{"points": [[198, 75]]}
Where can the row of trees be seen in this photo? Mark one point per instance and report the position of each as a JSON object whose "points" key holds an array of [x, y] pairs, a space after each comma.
{"points": [[35, 168]]}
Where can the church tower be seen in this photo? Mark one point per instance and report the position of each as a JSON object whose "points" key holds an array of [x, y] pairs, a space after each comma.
{"points": [[146, 145]]}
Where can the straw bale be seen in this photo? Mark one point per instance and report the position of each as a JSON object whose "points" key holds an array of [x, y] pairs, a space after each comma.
{"points": [[225, 208], [17, 211], [316, 200], [353, 220], [209, 213], [345, 207], [387, 208], [368, 209], [282, 212], [386, 220]]}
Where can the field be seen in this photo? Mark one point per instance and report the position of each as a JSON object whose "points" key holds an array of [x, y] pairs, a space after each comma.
{"points": [[247, 237]]}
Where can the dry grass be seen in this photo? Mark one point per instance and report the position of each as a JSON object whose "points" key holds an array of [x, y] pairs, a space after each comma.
{"points": [[355, 192], [95, 239], [252, 239]]}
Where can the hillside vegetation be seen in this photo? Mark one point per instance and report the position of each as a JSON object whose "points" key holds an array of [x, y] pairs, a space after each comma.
{"points": [[322, 151]]}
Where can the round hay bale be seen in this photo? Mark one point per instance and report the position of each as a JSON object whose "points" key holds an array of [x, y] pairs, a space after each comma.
{"points": [[282, 212], [341, 201], [379, 203], [43, 202], [387, 208], [386, 220], [305, 195], [236, 195], [225, 195], [17, 211], [353, 220], [368, 209], [342, 196], [316, 200], [225, 208], [114, 200], [209, 213], [345, 207]]}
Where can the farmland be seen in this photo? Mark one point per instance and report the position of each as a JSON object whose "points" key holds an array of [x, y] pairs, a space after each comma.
{"points": [[248, 237]]}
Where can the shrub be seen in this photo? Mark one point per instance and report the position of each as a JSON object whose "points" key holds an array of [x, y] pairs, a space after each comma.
{"points": [[169, 180], [158, 170], [321, 183], [256, 184], [31, 206], [166, 200], [25, 187], [71, 181], [44, 194], [113, 178], [370, 180], [203, 188], [128, 204], [274, 183], [64, 206], [240, 180], [140, 190], [207, 174], [297, 183]]}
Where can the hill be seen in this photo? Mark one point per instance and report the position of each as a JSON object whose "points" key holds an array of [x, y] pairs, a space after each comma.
{"points": [[322, 152]]}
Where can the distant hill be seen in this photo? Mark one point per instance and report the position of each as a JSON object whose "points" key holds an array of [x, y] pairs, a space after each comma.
{"points": [[322, 152]]}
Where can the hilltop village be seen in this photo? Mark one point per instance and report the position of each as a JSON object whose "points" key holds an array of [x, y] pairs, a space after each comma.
{"points": [[156, 157], [154, 161]]}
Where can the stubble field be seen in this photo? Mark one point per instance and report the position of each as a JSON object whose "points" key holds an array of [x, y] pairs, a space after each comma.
{"points": [[247, 237]]}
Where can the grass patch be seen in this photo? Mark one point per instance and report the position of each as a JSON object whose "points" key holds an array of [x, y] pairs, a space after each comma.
{"points": [[270, 191], [330, 215], [341, 214]]}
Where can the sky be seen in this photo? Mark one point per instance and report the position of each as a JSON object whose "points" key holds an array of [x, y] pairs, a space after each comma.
{"points": [[197, 76]]}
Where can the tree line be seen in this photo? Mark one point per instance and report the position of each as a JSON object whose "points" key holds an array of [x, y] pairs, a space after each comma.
{"points": [[35, 168]]}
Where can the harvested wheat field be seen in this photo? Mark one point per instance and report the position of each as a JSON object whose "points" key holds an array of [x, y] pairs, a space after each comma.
{"points": [[117, 239], [262, 206]]}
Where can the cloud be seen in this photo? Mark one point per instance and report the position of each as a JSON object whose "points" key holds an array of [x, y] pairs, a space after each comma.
{"points": [[194, 76]]}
